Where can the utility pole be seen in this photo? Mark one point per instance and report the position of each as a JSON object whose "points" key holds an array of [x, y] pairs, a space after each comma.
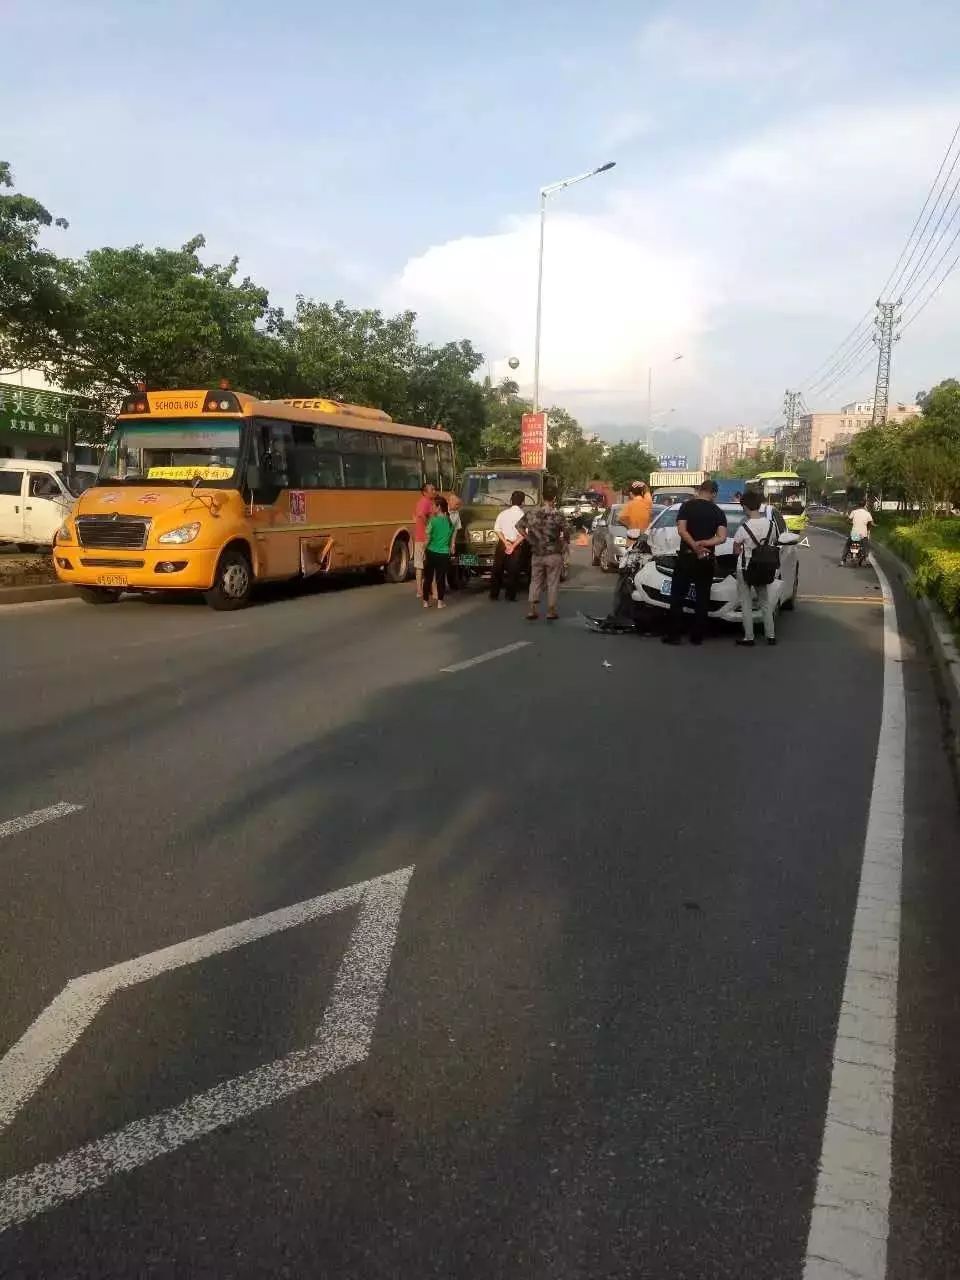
{"points": [[888, 332], [791, 400]]}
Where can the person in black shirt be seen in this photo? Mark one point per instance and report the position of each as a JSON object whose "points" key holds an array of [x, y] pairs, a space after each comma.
{"points": [[702, 526]]}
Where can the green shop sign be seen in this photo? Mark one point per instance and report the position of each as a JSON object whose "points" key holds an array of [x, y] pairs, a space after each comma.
{"points": [[26, 411]]}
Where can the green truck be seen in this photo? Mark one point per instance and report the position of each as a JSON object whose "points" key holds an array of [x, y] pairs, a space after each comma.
{"points": [[484, 492]]}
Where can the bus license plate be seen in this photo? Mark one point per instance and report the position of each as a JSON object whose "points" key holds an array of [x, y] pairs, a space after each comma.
{"points": [[470, 561], [112, 580]]}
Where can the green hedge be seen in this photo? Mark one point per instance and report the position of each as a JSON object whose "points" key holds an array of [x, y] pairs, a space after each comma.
{"points": [[932, 547]]}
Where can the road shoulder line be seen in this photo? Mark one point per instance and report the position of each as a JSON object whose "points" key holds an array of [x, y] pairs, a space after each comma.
{"points": [[850, 1223], [35, 819]]}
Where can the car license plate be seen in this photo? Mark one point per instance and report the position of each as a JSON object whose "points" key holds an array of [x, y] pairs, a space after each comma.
{"points": [[112, 580], [469, 560], [668, 587]]}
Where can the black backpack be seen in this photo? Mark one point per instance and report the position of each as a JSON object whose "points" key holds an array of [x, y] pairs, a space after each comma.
{"points": [[764, 562]]}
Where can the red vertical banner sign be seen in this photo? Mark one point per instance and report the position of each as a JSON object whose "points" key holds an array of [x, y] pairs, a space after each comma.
{"points": [[533, 440]]}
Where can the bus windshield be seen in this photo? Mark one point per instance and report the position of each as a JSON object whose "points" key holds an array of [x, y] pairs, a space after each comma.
{"points": [[493, 488], [176, 454], [787, 493]]}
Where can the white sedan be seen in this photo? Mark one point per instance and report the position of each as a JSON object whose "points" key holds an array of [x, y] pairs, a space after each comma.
{"points": [[652, 584]]}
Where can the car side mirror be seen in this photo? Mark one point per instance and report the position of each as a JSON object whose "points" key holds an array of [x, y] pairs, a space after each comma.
{"points": [[788, 539]]}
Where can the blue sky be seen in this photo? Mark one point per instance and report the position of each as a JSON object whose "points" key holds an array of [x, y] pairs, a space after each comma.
{"points": [[770, 157]]}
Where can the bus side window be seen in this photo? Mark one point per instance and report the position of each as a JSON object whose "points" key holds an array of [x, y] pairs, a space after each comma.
{"points": [[431, 464], [315, 461], [275, 440], [362, 460], [448, 476], [402, 458]]}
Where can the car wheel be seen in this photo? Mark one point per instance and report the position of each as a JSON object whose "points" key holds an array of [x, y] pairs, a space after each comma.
{"points": [[232, 584], [788, 605], [605, 564], [98, 595], [397, 568]]}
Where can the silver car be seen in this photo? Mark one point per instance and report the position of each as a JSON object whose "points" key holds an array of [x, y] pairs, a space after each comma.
{"points": [[608, 537]]}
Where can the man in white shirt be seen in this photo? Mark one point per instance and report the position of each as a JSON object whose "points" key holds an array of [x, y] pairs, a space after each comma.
{"points": [[755, 531], [861, 522], [508, 556]]}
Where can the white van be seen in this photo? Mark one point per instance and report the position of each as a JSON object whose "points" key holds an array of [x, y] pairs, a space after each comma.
{"points": [[35, 498]]}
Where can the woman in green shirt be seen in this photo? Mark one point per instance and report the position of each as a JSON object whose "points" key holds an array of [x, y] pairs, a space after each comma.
{"points": [[440, 536]]}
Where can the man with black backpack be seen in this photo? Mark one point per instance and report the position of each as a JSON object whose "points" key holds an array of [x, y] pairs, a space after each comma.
{"points": [[758, 561]]}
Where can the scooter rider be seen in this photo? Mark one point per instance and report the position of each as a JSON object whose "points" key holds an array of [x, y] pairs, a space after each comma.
{"points": [[861, 522]]}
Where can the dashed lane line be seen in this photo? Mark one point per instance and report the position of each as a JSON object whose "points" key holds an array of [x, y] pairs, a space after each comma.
{"points": [[13, 826], [487, 657], [850, 1223]]}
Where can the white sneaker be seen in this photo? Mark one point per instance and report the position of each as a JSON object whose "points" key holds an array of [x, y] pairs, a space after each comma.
{"points": [[441, 604]]}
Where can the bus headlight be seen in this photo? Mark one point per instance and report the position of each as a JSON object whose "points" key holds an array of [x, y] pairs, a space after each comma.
{"points": [[186, 533], [63, 533]]}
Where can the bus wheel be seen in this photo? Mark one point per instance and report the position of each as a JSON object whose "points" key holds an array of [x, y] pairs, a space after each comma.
{"points": [[397, 568], [98, 595], [232, 583]]}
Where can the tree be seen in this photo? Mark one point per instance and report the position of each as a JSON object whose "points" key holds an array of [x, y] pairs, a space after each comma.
{"points": [[627, 461], [815, 474], [364, 357], [35, 310], [162, 317]]}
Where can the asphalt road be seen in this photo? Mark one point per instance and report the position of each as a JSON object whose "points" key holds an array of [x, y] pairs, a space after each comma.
{"points": [[598, 1038]]}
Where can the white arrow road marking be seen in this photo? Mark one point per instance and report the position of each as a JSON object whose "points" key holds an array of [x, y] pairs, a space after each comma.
{"points": [[342, 1039], [488, 656], [804, 542], [28, 820]]}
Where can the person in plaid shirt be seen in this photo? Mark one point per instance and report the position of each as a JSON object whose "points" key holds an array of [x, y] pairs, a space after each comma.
{"points": [[546, 531]]}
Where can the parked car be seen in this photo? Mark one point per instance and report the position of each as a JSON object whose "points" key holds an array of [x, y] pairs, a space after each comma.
{"points": [[35, 499], [580, 510], [654, 580], [608, 537]]}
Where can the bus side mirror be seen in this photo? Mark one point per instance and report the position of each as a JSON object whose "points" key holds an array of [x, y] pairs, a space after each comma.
{"points": [[254, 478]]}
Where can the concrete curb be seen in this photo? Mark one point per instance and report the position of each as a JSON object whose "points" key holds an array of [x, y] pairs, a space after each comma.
{"points": [[45, 591], [946, 652]]}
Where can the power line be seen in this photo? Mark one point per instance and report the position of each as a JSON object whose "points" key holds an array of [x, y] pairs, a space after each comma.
{"points": [[840, 359], [939, 285]]}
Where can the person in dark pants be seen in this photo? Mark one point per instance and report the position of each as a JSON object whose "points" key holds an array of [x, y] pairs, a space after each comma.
{"points": [[440, 536], [508, 558], [702, 527]]}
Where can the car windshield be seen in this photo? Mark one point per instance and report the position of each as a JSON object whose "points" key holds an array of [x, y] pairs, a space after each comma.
{"points": [[174, 453], [78, 482], [493, 488], [668, 519]]}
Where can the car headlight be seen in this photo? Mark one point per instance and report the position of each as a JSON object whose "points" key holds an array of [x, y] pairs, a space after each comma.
{"points": [[186, 533], [619, 542], [63, 533], [491, 535], [476, 535]]}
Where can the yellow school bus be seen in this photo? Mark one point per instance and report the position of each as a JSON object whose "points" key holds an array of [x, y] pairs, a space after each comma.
{"points": [[214, 491]]}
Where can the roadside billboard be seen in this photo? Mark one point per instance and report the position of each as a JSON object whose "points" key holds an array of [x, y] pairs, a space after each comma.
{"points": [[533, 440]]}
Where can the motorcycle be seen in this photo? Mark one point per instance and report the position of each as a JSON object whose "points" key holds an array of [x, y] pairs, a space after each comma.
{"points": [[858, 552], [624, 616]]}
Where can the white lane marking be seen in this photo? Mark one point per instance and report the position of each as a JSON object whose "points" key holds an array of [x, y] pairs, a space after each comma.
{"points": [[15, 825], [487, 657], [850, 1221], [342, 1039]]}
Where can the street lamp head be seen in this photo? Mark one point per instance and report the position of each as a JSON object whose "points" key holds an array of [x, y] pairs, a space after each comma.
{"points": [[604, 167], [513, 362]]}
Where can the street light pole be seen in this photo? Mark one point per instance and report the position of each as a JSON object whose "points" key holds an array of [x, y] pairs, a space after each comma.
{"points": [[550, 190], [650, 395]]}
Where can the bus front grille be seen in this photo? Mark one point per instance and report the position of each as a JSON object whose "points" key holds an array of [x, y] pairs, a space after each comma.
{"points": [[112, 531]]}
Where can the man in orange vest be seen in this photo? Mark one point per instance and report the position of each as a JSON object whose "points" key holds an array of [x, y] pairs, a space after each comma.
{"points": [[638, 511]]}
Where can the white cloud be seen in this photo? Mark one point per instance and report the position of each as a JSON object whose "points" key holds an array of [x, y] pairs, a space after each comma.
{"points": [[610, 304], [625, 128], [754, 264], [701, 52]]}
